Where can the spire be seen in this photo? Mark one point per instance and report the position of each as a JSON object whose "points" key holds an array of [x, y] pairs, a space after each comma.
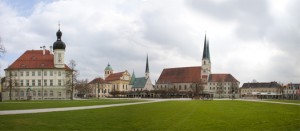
{"points": [[147, 65], [132, 80], [207, 50], [204, 48]]}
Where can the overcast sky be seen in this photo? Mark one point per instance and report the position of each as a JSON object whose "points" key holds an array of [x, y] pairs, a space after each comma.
{"points": [[251, 39]]}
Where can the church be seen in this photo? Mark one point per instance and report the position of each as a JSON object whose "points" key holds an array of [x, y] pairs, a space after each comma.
{"points": [[185, 79], [39, 74]]}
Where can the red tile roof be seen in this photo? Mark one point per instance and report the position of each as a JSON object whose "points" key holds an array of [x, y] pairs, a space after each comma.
{"points": [[98, 80], [115, 76], [221, 77], [34, 59], [180, 75]]}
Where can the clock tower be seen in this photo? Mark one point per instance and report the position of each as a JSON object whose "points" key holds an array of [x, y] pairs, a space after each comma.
{"points": [[59, 51]]}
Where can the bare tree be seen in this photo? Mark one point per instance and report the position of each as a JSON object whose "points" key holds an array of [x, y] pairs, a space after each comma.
{"points": [[12, 83], [83, 88], [220, 88], [197, 88], [73, 74], [234, 89], [2, 51]]}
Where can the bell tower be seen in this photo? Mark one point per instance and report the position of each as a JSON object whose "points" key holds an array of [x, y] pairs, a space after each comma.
{"points": [[59, 51]]}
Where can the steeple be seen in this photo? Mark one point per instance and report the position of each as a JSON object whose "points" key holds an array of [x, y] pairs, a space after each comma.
{"points": [[59, 50], [132, 80], [206, 63], [147, 68]]}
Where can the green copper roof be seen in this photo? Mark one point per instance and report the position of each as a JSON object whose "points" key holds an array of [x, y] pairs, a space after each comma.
{"points": [[132, 79], [108, 67], [139, 82]]}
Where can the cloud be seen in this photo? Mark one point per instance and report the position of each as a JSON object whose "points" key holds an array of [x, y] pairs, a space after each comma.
{"points": [[248, 42]]}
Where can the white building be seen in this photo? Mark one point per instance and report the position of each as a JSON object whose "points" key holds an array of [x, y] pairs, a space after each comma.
{"points": [[39, 74]]}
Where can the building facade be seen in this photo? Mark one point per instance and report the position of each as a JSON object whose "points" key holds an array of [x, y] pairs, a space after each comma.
{"points": [[261, 90], [39, 74], [187, 79], [112, 82]]}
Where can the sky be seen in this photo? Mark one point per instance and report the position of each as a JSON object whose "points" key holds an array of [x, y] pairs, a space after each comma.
{"points": [[250, 39]]}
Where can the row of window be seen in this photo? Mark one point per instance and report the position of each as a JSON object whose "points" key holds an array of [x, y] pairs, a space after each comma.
{"points": [[37, 93], [36, 73], [39, 82]]}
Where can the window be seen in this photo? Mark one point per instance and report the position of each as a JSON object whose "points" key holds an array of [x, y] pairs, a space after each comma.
{"points": [[59, 93], [21, 93], [39, 93], [59, 73], [27, 73], [51, 82], [45, 93], [184, 87], [51, 73], [59, 82], [33, 93], [21, 73], [179, 87], [45, 82], [33, 82], [15, 74], [33, 73], [39, 73], [45, 73], [39, 82], [21, 81], [51, 93], [27, 82]]}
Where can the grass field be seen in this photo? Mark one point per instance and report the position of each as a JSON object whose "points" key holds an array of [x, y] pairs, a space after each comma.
{"points": [[16, 105], [169, 115]]}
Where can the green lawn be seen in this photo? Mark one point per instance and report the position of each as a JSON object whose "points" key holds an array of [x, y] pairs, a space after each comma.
{"points": [[17, 105], [170, 115]]}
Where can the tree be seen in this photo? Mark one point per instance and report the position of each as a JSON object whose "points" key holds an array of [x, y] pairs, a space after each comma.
{"points": [[73, 74], [220, 87], [2, 51], [197, 88], [83, 88], [11, 83], [233, 89]]}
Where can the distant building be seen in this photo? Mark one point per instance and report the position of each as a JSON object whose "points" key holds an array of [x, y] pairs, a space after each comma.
{"points": [[292, 91], [141, 83], [113, 82], [39, 74], [185, 79], [261, 90]]}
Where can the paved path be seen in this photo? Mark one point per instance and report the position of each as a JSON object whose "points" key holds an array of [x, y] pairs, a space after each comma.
{"points": [[10, 112], [275, 102]]}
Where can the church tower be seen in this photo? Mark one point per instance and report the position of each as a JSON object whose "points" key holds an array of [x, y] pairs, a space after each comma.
{"points": [[206, 63], [59, 51], [108, 70], [147, 73]]}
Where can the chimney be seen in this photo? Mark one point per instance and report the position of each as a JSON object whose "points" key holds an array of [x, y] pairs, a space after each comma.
{"points": [[44, 50], [51, 50]]}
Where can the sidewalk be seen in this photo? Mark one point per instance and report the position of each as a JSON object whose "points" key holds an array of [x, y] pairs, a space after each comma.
{"points": [[275, 102]]}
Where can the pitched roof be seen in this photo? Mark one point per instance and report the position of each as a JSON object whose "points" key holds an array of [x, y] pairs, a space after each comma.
{"points": [[221, 78], [115, 76], [261, 85], [180, 75], [139, 82], [35, 59], [98, 80]]}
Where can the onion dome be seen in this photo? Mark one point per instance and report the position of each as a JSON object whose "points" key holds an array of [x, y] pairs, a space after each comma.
{"points": [[58, 44], [108, 67]]}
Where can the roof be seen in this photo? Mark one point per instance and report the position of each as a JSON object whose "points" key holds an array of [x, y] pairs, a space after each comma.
{"points": [[221, 78], [115, 76], [261, 85], [132, 79], [180, 75], [98, 80], [35, 59], [139, 82]]}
